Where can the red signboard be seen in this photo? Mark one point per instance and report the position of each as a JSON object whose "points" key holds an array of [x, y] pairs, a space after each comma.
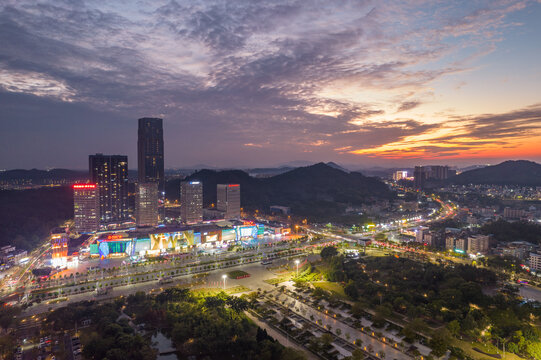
{"points": [[84, 186]]}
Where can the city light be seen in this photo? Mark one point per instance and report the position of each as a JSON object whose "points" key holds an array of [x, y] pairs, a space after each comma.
{"points": [[224, 277]]}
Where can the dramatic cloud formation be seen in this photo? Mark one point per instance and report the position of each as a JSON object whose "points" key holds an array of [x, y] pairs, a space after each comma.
{"points": [[250, 82]]}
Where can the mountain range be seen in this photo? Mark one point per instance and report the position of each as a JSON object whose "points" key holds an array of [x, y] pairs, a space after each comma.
{"points": [[309, 191], [512, 172]]}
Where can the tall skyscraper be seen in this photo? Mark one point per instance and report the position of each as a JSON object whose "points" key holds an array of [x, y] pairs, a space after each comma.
{"points": [[228, 200], [191, 202], [150, 151], [110, 174], [146, 204], [86, 207]]}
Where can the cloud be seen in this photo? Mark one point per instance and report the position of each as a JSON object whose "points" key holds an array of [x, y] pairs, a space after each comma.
{"points": [[463, 136], [408, 105], [289, 76]]}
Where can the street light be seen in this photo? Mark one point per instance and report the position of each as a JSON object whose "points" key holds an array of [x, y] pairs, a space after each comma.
{"points": [[297, 262], [224, 277]]}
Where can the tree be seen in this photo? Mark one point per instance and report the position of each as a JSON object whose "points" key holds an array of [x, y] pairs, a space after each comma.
{"points": [[351, 290], [440, 342], [328, 252], [357, 354], [326, 340], [454, 327], [534, 350]]}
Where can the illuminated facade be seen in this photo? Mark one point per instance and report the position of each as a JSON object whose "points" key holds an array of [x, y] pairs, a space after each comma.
{"points": [[399, 175], [228, 200], [86, 207], [146, 204], [150, 165], [110, 174], [191, 202], [164, 240], [59, 246]]}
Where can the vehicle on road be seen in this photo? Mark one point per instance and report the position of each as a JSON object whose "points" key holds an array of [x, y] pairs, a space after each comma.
{"points": [[166, 280], [103, 290]]}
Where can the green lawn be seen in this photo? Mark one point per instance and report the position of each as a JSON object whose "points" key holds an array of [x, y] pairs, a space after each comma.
{"points": [[213, 291], [489, 348], [332, 287]]}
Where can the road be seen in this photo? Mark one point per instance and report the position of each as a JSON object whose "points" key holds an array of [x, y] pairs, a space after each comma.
{"points": [[530, 292]]}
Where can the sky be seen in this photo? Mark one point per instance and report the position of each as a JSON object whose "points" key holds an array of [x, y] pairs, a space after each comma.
{"points": [[261, 83]]}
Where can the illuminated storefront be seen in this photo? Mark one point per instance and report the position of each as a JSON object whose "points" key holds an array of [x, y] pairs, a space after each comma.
{"points": [[172, 241]]}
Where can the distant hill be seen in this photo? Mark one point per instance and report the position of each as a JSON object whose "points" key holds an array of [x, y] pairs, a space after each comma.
{"points": [[512, 172], [39, 177], [309, 191]]}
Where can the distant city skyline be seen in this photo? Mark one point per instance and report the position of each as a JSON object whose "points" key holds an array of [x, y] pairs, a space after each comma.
{"points": [[243, 84]]}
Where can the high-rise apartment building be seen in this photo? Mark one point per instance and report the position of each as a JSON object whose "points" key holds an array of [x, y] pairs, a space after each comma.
{"points": [[146, 204], [150, 165], [110, 174], [433, 172], [191, 202], [228, 200], [86, 208], [478, 244]]}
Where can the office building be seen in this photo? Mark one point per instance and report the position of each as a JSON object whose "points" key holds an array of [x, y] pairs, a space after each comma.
{"points": [[110, 174], [478, 244], [150, 165], [191, 202], [86, 208], [228, 200], [146, 204]]}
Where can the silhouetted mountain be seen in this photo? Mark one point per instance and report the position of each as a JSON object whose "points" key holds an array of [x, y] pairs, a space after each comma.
{"points": [[336, 166], [519, 172], [311, 190]]}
